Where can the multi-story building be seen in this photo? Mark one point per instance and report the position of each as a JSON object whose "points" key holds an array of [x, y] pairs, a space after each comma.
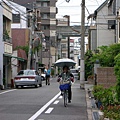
{"points": [[64, 45], [20, 36], [5, 44], [48, 26]]}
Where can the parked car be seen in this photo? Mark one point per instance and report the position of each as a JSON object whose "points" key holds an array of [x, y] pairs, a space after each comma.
{"points": [[28, 78], [75, 73]]}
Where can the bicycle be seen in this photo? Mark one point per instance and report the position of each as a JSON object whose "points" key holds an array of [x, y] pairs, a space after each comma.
{"points": [[64, 88]]}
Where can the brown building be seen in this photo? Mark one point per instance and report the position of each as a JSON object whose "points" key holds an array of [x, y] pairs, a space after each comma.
{"points": [[20, 39]]}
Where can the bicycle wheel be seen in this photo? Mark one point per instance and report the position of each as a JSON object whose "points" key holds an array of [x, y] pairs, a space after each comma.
{"points": [[65, 98]]}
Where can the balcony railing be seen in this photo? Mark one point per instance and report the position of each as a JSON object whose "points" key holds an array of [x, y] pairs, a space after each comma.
{"points": [[7, 39]]}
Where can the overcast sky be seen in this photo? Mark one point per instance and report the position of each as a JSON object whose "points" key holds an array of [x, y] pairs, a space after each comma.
{"points": [[73, 8]]}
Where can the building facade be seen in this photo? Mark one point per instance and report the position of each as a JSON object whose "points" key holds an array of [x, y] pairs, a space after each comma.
{"points": [[5, 44], [105, 30], [48, 12]]}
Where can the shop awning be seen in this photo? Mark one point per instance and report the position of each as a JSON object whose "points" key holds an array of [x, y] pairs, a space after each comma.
{"points": [[8, 55]]}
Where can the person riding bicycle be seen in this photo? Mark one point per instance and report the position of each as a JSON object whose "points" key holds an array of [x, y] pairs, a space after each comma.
{"points": [[66, 74]]}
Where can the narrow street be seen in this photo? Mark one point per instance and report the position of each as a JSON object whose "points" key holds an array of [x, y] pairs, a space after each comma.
{"points": [[44, 103]]}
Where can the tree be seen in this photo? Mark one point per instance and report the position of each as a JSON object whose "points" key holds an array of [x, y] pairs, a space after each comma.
{"points": [[88, 64], [117, 73], [106, 55], [25, 48]]}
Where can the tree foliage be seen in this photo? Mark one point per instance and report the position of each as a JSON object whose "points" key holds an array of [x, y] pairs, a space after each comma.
{"points": [[106, 55], [88, 64], [117, 73], [25, 48]]}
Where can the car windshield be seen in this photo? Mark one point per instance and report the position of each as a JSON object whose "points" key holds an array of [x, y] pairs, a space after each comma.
{"points": [[26, 72]]}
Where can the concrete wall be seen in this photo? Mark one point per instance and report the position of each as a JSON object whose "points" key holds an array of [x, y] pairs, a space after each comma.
{"points": [[106, 76]]}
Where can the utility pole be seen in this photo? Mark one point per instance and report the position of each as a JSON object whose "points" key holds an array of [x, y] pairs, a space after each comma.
{"points": [[82, 69], [30, 41]]}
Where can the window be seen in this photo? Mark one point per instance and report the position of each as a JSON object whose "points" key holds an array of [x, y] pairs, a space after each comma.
{"points": [[16, 18], [71, 51], [111, 24], [63, 55], [45, 27], [45, 4], [63, 45], [45, 16]]}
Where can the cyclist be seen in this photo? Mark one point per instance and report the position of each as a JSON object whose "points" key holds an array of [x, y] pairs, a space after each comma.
{"points": [[66, 74]]}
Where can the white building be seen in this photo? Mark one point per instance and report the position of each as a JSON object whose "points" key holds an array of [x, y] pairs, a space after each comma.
{"points": [[5, 44], [19, 14], [105, 30]]}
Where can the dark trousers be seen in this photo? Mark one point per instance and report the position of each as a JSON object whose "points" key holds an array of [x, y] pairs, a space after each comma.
{"points": [[69, 93], [47, 79]]}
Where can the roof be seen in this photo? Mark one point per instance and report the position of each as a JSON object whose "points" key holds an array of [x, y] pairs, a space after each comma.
{"points": [[25, 3], [99, 8]]}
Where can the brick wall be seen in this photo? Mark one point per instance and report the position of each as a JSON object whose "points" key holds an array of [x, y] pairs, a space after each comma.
{"points": [[106, 76]]}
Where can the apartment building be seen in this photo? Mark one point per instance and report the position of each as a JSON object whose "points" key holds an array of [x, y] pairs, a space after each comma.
{"points": [[48, 13], [5, 44]]}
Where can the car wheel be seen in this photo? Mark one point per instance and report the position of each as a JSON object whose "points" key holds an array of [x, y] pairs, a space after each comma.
{"points": [[40, 85], [16, 86], [36, 86]]}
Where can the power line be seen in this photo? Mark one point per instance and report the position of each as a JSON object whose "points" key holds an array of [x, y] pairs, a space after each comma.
{"points": [[61, 3]]}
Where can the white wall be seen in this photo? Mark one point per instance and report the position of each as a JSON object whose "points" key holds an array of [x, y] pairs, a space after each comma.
{"points": [[18, 9], [105, 36]]}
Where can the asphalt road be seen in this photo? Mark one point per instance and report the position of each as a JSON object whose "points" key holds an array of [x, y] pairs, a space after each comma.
{"points": [[43, 103]]}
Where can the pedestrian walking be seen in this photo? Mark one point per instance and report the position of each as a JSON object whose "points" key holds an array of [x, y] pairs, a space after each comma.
{"points": [[48, 73]]}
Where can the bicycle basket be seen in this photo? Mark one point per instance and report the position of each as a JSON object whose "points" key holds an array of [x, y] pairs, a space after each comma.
{"points": [[64, 87]]}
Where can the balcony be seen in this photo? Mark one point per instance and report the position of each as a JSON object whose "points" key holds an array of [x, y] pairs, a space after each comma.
{"points": [[39, 20], [6, 38]]}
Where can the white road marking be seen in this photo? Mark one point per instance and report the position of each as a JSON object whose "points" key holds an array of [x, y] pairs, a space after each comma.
{"points": [[49, 110], [60, 97], [56, 102], [7, 91], [43, 108]]}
